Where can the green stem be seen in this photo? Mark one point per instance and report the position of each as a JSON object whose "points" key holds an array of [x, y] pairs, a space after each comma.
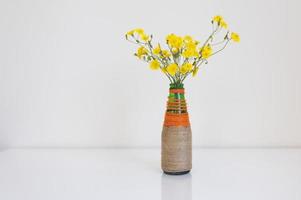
{"points": [[221, 48]]}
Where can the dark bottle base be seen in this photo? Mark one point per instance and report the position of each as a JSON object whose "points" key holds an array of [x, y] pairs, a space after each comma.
{"points": [[177, 173]]}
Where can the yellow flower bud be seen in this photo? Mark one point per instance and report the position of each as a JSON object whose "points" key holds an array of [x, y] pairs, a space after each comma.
{"points": [[223, 24], [130, 33], [174, 50], [235, 37], [140, 31], [157, 50], [195, 71], [217, 18], [145, 37]]}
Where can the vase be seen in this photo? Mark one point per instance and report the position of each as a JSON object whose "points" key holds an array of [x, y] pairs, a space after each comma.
{"points": [[176, 141]]}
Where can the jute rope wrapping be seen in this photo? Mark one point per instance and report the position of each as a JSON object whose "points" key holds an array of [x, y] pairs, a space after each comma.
{"points": [[176, 151]]}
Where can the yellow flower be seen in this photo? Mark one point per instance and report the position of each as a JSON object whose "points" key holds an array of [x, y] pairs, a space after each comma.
{"points": [[141, 51], [191, 45], [206, 52], [165, 53], [187, 38], [140, 31], [172, 69], [144, 37], [157, 50], [154, 64], [187, 53], [223, 24], [235, 37], [169, 37], [187, 67], [217, 18], [195, 71], [190, 50], [174, 41]]}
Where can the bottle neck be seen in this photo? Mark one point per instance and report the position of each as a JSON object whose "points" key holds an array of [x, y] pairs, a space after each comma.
{"points": [[176, 101], [176, 91], [176, 86]]}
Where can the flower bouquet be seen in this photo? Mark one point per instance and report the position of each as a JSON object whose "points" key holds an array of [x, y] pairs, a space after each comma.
{"points": [[178, 59]]}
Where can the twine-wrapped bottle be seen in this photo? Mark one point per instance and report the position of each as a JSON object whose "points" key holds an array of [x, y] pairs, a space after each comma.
{"points": [[176, 149]]}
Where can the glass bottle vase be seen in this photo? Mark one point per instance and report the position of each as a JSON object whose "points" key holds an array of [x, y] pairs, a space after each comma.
{"points": [[176, 140]]}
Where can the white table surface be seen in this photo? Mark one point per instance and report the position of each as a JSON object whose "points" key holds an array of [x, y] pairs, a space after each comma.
{"points": [[104, 174]]}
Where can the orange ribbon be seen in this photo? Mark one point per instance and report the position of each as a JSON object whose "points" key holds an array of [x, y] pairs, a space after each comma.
{"points": [[181, 91], [172, 119]]}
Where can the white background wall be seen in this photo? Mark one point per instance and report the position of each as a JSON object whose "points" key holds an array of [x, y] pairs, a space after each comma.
{"points": [[68, 77]]}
